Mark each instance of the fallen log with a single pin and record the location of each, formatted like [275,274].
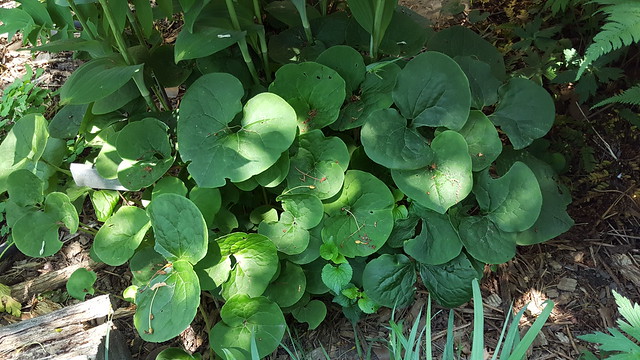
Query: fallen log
[77,332]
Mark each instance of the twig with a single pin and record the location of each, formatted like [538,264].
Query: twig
[597,133]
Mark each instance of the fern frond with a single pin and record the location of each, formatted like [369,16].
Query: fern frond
[622,28]
[630,96]
[557,6]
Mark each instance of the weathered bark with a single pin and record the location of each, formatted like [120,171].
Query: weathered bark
[76,332]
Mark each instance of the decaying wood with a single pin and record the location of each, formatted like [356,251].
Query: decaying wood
[627,268]
[76,332]
[25,290]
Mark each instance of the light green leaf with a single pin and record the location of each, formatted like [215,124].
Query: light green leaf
[512,201]
[146,152]
[445,182]
[214,269]
[66,122]
[104,202]
[96,79]
[107,161]
[144,265]
[256,263]
[347,62]
[168,304]
[275,174]
[244,317]
[119,237]
[390,280]
[204,41]
[312,252]
[80,283]
[169,185]
[25,188]
[177,354]
[289,287]
[23,146]
[179,229]
[337,277]
[388,141]
[483,140]
[307,210]
[433,91]
[485,241]
[288,236]
[318,166]
[450,283]
[525,111]
[15,20]
[313,313]
[360,219]
[208,201]
[216,152]
[438,241]
[315,91]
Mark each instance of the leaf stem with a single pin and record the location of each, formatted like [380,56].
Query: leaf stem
[376,36]
[242,43]
[203,313]
[87,229]
[81,19]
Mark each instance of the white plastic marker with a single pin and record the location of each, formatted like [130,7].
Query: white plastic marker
[87,175]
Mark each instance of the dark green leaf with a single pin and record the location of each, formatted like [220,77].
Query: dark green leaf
[483,140]
[313,313]
[121,235]
[289,287]
[390,280]
[347,62]
[204,41]
[80,283]
[25,188]
[66,123]
[438,241]
[450,283]
[485,241]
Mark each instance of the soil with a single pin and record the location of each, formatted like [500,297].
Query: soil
[578,270]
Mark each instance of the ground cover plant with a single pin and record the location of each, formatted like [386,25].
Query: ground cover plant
[316,150]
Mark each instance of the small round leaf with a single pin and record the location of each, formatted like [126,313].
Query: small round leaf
[121,234]
[80,283]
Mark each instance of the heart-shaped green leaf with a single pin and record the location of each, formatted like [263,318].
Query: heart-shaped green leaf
[438,241]
[483,140]
[23,146]
[313,272]
[208,201]
[179,229]
[360,219]
[216,152]
[104,202]
[313,313]
[485,241]
[433,91]
[107,161]
[315,91]
[312,252]
[525,111]
[256,263]
[450,283]
[214,269]
[144,265]
[484,85]
[289,237]
[146,152]
[337,277]
[306,210]
[388,141]
[121,234]
[390,280]
[36,232]
[169,185]
[318,166]
[446,181]
[96,79]
[512,201]
[245,318]
[25,188]
[275,174]
[168,304]
[289,287]
[80,283]
[347,62]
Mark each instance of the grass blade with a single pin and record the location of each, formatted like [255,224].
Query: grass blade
[477,348]
[530,336]
[448,347]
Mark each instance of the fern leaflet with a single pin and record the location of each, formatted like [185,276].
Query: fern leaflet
[630,97]
[622,28]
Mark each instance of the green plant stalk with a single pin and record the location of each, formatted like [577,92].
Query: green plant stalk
[203,313]
[263,42]
[136,28]
[376,36]
[323,7]
[81,19]
[6,249]
[242,43]
[138,77]
[302,10]
[66,172]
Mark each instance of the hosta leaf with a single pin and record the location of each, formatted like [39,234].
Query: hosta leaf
[80,283]
[256,262]
[168,304]
[244,318]
[313,313]
[525,111]
[512,201]
[289,287]
[438,241]
[96,79]
[144,146]
[347,62]
[36,232]
[23,146]
[483,140]
[315,91]
[360,219]
[374,94]
[179,229]
[446,181]
[318,166]
[485,241]
[433,91]
[450,283]
[116,99]
[389,280]
[388,141]
[162,63]
[364,11]
[484,85]
[404,36]
[337,277]
[216,152]
[462,41]
[204,41]
[121,234]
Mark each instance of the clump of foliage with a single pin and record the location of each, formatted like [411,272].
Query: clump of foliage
[618,344]
[355,166]
[23,96]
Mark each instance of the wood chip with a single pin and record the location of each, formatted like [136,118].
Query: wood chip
[567,284]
